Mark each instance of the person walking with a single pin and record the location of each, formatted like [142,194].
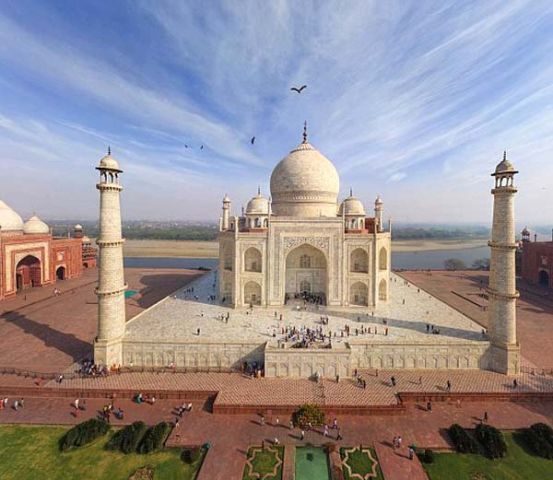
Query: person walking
[339,434]
[302,434]
[291,423]
[485,417]
[176,422]
[429,406]
[411,453]
[448,384]
[393,379]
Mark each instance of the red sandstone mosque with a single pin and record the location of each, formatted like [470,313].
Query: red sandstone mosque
[30,256]
[536,260]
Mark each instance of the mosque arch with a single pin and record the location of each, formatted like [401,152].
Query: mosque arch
[383,259]
[359,261]
[252,293]
[28,272]
[306,273]
[359,294]
[382,290]
[60,273]
[252,260]
[543,278]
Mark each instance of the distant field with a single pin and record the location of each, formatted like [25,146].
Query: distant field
[200,249]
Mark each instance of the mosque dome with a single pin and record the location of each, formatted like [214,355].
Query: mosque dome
[78,227]
[9,219]
[109,163]
[258,205]
[351,206]
[35,226]
[305,184]
[505,166]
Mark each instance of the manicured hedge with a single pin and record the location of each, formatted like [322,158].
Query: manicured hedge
[309,413]
[154,438]
[492,440]
[191,455]
[463,442]
[128,438]
[540,439]
[83,433]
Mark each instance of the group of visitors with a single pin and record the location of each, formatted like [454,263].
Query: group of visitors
[90,369]
[253,369]
[432,329]
[141,398]
[17,403]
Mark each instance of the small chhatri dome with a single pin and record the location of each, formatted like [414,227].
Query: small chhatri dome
[258,205]
[109,163]
[78,227]
[305,184]
[35,226]
[226,199]
[378,200]
[351,206]
[525,232]
[86,240]
[504,166]
[9,219]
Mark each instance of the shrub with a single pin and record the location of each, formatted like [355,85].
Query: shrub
[539,438]
[428,456]
[492,440]
[190,455]
[154,438]
[128,438]
[309,413]
[462,441]
[83,433]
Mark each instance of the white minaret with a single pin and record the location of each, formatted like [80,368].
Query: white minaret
[378,214]
[226,213]
[502,286]
[111,283]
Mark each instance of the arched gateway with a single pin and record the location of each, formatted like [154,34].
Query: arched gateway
[28,273]
[306,274]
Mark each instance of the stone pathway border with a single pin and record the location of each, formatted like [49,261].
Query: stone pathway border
[345,463]
[253,452]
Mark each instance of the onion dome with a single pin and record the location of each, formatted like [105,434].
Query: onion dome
[351,206]
[505,166]
[9,219]
[258,205]
[378,200]
[35,226]
[109,163]
[304,184]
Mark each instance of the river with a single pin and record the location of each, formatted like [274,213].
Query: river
[433,259]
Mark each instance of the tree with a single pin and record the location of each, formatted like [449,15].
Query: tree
[454,264]
[481,264]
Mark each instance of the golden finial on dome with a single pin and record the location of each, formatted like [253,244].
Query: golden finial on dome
[305,132]
[109,150]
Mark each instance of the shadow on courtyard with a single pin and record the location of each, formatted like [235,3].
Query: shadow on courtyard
[67,343]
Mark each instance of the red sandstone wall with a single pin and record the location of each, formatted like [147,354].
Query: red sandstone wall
[537,256]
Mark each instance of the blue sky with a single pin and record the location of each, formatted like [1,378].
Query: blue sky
[412,100]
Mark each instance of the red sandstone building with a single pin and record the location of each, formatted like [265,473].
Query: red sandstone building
[30,256]
[536,261]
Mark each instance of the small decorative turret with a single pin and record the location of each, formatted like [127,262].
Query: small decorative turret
[226,213]
[525,234]
[378,213]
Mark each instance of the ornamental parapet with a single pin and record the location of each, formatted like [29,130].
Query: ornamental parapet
[110,243]
[505,296]
[503,245]
[109,186]
[509,190]
[111,293]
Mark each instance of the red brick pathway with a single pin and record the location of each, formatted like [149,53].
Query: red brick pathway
[395,464]
[231,435]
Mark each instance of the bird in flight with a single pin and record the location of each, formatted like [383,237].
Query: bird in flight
[299,90]
[252,140]
[202,147]
[185,146]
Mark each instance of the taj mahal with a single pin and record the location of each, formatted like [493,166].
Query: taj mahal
[304,287]
[302,243]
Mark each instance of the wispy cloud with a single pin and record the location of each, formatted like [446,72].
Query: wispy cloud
[414,100]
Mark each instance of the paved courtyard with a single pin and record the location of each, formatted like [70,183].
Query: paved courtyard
[462,291]
[47,333]
[409,310]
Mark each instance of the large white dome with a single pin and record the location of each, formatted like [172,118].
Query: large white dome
[305,184]
[9,219]
[35,226]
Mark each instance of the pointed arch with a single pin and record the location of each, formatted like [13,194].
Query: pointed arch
[383,259]
[252,260]
[383,290]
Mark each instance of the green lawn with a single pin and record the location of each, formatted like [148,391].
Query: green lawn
[32,453]
[516,465]
[360,463]
[264,462]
